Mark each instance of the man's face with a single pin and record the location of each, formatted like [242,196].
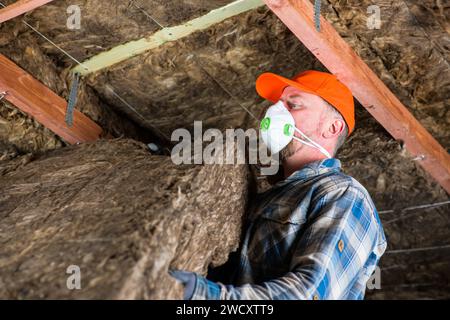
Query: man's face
[309,112]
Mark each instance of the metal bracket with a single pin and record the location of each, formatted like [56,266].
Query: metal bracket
[3,94]
[317,6]
[72,99]
[420,157]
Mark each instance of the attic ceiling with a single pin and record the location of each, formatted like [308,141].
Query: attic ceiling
[209,76]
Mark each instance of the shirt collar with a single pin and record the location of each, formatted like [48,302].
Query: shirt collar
[315,168]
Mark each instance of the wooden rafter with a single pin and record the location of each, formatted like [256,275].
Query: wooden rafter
[20,7]
[382,104]
[38,101]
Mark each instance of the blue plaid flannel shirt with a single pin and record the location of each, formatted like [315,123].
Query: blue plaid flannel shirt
[315,235]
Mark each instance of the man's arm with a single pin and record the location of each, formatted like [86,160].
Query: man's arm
[341,233]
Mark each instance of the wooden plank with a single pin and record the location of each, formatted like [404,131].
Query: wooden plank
[20,7]
[38,101]
[382,104]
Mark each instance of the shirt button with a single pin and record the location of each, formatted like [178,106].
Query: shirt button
[316,297]
[341,245]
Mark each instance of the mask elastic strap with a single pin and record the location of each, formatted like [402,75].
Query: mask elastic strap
[311,143]
[305,142]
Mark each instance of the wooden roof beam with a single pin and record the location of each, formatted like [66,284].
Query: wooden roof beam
[374,95]
[20,7]
[39,102]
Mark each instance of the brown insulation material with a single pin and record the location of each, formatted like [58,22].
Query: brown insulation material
[434,18]
[7,151]
[175,84]
[171,87]
[120,214]
[105,23]
[404,54]
[25,132]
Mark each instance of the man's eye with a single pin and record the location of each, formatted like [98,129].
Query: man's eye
[295,106]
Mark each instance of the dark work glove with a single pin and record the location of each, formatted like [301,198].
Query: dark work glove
[188,279]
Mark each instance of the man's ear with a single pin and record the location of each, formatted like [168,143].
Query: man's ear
[335,128]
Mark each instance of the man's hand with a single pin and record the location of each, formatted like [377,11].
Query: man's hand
[188,279]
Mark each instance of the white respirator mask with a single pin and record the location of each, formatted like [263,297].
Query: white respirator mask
[278,127]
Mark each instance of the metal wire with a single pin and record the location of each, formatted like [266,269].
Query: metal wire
[206,71]
[426,207]
[55,45]
[110,89]
[148,15]
[422,206]
[71,104]
[51,42]
[425,33]
[225,89]
[447,246]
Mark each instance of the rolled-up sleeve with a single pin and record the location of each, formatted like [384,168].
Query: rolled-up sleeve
[331,254]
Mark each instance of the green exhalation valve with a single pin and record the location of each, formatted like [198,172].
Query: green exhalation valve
[265,124]
[288,129]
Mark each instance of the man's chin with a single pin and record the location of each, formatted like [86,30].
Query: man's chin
[289,151]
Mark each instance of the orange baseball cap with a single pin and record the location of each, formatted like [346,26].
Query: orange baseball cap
[270,86]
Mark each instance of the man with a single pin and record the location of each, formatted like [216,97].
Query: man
[316,234]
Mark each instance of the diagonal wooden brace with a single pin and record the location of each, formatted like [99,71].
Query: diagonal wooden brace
[41,103]
[20,7]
